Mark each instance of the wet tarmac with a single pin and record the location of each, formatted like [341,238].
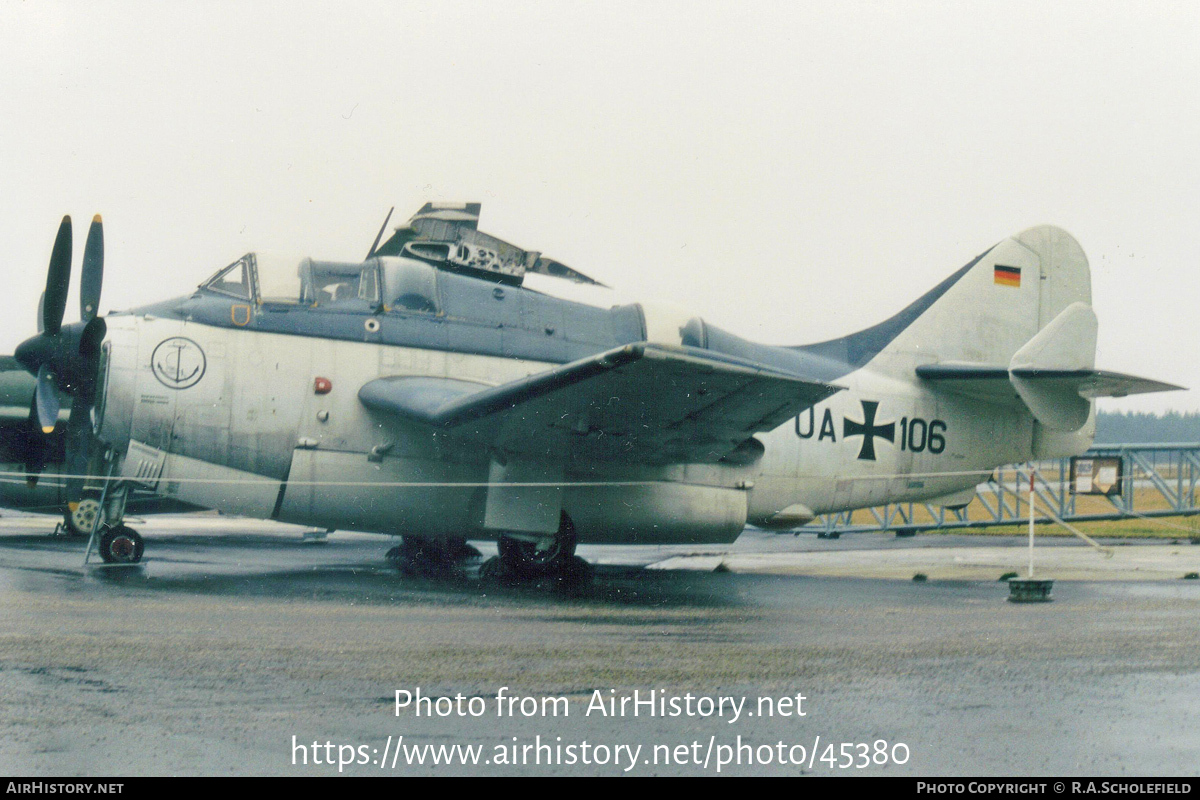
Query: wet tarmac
[236,636]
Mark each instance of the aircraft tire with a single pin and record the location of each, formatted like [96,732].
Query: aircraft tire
[495,571]
[79,522]
[529,560]
[575,572]
[121,545]
[459,549]
[425,558]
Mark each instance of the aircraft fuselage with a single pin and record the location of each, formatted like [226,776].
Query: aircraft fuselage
[253,409]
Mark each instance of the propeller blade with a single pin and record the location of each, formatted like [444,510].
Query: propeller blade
[35,447]
[93,271]
[41,311]
[58,279]
[91,338]
[46,399]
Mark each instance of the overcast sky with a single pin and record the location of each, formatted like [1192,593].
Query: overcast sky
[790,172]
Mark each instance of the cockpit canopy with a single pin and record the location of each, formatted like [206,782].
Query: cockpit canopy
[376,284]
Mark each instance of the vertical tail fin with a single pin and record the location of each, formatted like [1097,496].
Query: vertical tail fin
[1023,304]
[982,314]
[1015,326]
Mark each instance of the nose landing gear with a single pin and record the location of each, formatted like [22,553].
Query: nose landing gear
[121,545]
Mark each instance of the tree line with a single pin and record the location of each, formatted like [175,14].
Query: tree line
[1138,427]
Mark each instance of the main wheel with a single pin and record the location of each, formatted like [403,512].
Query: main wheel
[547,556]
[459,549]
[421,557]
[121,545]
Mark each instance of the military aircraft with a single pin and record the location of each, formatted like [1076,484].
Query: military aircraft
[452,386]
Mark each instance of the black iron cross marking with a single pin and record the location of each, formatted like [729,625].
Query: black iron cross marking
[868,430]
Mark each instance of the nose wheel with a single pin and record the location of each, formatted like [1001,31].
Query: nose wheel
[121,545]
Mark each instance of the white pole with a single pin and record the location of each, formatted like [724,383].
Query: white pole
[1030,521]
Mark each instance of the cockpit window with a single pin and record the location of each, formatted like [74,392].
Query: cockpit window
[334,283]
[368,284]
[278,278]
[289,280]
[234,280]
[411,285]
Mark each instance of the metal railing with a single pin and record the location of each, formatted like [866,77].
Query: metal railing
[1157,480]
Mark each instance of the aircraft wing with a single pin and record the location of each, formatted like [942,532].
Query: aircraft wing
[640,402]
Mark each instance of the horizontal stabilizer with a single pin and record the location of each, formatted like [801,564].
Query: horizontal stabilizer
[641,402]
[1053,374]
[1059,399]
[992,382]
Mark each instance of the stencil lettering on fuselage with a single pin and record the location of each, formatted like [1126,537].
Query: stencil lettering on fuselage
[916,434]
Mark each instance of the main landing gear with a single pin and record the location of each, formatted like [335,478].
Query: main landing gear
[526,558]
[430,558]
[522,557]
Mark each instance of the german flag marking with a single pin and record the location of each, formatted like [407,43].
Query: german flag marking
[1008,276]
